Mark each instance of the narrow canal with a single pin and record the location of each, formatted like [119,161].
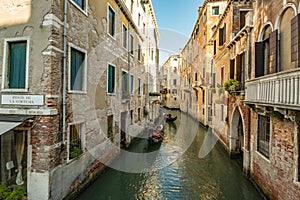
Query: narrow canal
[184,175]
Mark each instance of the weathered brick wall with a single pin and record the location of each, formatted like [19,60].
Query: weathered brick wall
[276,175]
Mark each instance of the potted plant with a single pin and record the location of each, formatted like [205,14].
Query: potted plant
[231,86]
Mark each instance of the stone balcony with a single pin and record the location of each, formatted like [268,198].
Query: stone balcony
[280,90]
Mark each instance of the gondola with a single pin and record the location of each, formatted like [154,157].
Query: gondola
[156,140]
[171,119]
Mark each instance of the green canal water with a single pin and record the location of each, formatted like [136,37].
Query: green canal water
[180,172]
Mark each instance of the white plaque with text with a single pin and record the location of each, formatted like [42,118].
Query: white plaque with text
[26,100]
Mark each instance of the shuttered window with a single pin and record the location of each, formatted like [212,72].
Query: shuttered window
[125,85]
[295,41]
[111,21]
[16,71]
[222,35]
[259,59]
[125,37]
[76,71]
[273,67]
[139,86]
[232,63]
[111,79]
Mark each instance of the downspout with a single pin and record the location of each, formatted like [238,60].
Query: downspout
[64,102]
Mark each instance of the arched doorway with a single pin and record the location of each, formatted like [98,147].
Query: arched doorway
[237,134]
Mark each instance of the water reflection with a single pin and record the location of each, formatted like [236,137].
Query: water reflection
[214,176]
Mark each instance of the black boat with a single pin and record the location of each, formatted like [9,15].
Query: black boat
[171,119]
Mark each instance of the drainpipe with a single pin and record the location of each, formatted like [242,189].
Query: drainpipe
[64,102]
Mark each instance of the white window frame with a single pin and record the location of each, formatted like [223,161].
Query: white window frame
[82,139]
[127,33]
[85,10]
[107,27]
[114,93]
[131,48]
[212,9]
[131,86]
[84,86]
[5,62]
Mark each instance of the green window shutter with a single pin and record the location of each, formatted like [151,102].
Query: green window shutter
[77,59]
[17,65]
[111,79]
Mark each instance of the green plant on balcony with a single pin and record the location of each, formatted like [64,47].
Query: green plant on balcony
[16,193]
[231,86]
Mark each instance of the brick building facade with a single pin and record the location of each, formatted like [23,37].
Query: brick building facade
[74,89]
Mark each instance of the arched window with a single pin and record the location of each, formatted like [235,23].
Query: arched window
[285,39]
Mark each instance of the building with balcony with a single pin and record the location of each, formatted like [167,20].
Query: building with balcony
[170,76]
[272,93]
[74,89]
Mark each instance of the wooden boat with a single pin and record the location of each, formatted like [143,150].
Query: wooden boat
[171,119]
[155,140]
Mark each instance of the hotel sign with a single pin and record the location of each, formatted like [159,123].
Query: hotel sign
[24,100]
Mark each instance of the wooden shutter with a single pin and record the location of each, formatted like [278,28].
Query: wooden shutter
[295,33]
[273,52]
[220,36]
[238,68]
[259,59]
[224,33]
[232,69]
[111,79]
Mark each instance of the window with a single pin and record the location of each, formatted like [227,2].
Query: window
[75,141]
[152,54]
[263,137]
[144,28]
[80,4]
[111,79]
[110,127]
[139,114]
[125,87]
[139,86]
[196,76]
[174,91]
[131,6]
[15,64]
[222,75]
[203,96]
[266,53]
[131,44]
[222,112]
[174,82]
[139,19]
[139,52]
[131,84]
[124,36]
[111,21]
[243,18]
[77,70]
[222,35]
[215,47]
[131,116]
[144,88]
[215,10]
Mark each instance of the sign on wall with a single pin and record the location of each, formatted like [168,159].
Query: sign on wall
[26,100]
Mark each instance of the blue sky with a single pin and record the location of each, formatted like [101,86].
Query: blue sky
[176,20]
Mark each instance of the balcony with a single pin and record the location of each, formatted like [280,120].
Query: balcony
[279,90]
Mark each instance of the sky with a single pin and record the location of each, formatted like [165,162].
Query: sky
[175,20]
